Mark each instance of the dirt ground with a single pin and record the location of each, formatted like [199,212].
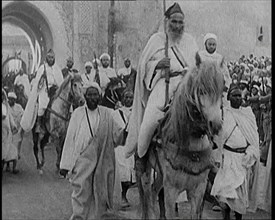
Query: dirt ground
[29,195]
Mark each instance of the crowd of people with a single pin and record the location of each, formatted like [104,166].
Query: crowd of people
[123,108]
[253,75]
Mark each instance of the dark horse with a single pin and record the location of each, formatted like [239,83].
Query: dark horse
[113,93]
[57,116]
[181,152]
[22,99]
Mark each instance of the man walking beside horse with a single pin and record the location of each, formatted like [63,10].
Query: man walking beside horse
[89,155]
[235,184]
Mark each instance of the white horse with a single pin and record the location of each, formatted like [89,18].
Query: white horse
[181,155]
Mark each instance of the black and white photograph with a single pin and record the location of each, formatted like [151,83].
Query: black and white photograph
[136,109]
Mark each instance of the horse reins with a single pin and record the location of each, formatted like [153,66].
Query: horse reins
[66,101]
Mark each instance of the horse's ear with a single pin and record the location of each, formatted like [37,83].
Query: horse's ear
[198,59]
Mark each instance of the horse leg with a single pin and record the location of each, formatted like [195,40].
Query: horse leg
[43,143]
[161,204]
[59,148]
[140,169]
[35,137]
[149,200]
[196,196]
[170,198]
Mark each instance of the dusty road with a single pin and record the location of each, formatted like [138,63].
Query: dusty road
[30,196]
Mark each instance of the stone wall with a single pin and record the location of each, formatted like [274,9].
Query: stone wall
[80,28]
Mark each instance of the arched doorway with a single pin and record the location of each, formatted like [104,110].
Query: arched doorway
[29,18]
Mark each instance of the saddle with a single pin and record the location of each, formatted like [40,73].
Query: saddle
[184,159]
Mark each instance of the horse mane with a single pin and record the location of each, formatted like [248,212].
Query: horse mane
[64,84]
[113,81]
[184,116]
[69,78]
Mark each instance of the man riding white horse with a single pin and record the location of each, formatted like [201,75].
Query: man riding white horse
[149,97]
[48,76]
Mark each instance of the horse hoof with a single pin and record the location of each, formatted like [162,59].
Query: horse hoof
[42,163]
[41,172]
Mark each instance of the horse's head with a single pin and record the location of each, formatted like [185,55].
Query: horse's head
[206,91]
[196,107]
[76,93]
[20,88]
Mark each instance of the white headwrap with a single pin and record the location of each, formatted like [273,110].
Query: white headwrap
[12,95]
[92,84]
[209,36]
[88,63]
[105,55]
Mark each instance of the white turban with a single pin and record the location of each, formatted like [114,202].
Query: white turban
[97,60]
[88,63]
[12,95]
[209,36]
[4,110]
[92,84]
[105,55]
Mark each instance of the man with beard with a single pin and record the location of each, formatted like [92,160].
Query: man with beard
[105,61]
[235,185]
[125,166]
[48,78]
[210,53]
[89,156]
[149,96]
[69,68]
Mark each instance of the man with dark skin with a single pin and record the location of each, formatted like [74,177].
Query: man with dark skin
[235,183]
[125,166]
[88,156]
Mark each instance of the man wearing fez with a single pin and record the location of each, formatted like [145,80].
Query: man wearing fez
[149,96]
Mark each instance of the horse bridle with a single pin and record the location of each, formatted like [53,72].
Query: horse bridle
[66,101]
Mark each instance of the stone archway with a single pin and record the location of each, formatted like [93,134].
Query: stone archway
[42,22]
